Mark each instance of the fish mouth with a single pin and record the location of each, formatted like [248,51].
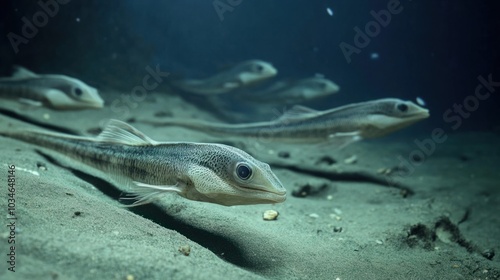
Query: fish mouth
[421,114]
[272,71]
[99,103]
[266,191]
[94,105]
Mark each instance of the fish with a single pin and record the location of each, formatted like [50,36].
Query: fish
[240,76]
[283,92]
[58,92]
[342,125]
[204,172]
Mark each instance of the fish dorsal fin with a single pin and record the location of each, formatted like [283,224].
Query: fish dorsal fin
[21,72]
[122,133]
[298,112]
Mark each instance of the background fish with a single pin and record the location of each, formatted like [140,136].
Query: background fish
[341,125]
[58,92]
[283,92]
[237,77]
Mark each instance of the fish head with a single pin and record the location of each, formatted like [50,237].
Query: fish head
[253,71]
[77,93]
[317,87]
[229,176]
[392,114]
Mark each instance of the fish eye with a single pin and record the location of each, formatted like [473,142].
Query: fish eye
[402,107]
[243,171]
[259,68]
[78,91]
[322,85]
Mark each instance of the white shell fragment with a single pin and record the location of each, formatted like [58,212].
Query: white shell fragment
[351,160]
[270,215]
[314,215]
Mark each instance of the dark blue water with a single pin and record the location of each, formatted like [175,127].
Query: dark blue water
[432,49]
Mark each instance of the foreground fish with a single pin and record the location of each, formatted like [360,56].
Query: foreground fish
[341,125]
[203,172]
[295,92]
[54,91]
[242,75]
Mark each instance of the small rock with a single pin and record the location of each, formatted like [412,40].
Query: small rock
[384,171]
[336,217]
[337,229]
[351,160]
[41,166]
[46,116]
[270,215]
[379,242]
[326,160]
[185,250]
[306,190]
[489,254]
[314,215]
[283,154]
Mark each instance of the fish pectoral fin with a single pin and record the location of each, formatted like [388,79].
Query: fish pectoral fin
[122,133]
[22,73]
[30,102]
[342,139]
[146,193]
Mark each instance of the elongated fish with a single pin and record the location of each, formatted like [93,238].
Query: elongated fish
[58,92]
[203,172]
[237,77]
[341,125]
[295,92]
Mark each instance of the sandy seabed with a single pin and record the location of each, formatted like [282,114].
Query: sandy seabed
[361,217]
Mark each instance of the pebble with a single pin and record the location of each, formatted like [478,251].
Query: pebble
[270,215]
[283,154]
[186,250]
[351,160]
[314,215]
[384,171]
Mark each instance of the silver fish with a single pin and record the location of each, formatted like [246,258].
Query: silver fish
[341,125]
[295,92]
[237,77]
[202,172]
[58,92]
